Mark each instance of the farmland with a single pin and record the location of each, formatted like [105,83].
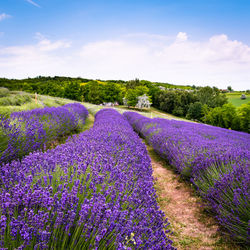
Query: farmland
[97,189]
[124,125]
[235,99]
[28,131]
[215,160]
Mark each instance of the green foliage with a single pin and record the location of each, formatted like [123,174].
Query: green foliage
[133,94]
[72,91]
[235,99]
[195,111]
[167,100]
[98,92]
[15,100]
[4,92]
[211,96]
[132,84]
[27,87]
[52,86]
[202,103]
[18,101]
[244,114]
[176,102]
[113,92]
[178,111]
[225,117]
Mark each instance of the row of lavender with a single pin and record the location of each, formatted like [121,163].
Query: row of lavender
[216,160]
[27,131]
[93,192]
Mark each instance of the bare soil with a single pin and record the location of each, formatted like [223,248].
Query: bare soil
[192,227]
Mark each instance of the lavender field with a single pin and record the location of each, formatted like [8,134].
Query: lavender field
[96,191]
[124,125]
[31,130]
[215,160]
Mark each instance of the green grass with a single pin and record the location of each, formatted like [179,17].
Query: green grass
[234,98]
[16,101]
[7,110]
[50,101]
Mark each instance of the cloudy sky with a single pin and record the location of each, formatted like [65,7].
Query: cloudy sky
[175,41]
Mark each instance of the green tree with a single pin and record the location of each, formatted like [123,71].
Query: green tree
[167,100]
[132,84]
[113,92]
[225,117]
[195,111]
[95,92]
[133,94]
[185,99]
[27,87]
[72,91]
[211,96]
[244,114]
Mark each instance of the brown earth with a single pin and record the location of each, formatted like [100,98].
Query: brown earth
[192,227]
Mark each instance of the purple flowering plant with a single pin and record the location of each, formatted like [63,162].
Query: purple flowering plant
[216,160]
[96,191]
[28,131]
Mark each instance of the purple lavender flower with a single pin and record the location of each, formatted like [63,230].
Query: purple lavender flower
[28,131]
[95,191]
[216,160]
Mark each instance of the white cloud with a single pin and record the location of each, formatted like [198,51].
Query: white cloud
[33,3]
[4,16]
[42,58]
[181,37]
[218,61]
[47,45]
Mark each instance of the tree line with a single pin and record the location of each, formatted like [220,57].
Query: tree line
[204,104]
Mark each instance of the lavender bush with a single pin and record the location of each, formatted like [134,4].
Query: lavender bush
[93,192]
[28,131]
[216,160]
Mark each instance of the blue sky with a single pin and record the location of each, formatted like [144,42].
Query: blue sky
[178,41]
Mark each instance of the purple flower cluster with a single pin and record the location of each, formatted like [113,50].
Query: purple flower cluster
[93,192]
[28,131]
[216,160]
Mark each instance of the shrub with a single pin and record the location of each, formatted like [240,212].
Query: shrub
[4,92]
[244,114]
[15,100]
[195,111]
[225,117]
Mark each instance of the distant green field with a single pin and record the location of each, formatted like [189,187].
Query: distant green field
[234,98]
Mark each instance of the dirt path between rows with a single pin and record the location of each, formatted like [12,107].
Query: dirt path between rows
[192,227]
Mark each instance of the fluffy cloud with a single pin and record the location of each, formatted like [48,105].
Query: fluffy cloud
[181,37]
[218,61]
[4,16]
[43,58]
